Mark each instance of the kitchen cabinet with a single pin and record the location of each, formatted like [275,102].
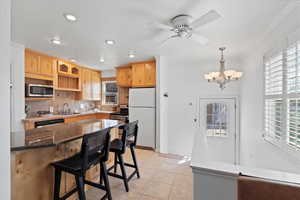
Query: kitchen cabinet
[124,76]
[96,85]
[39,66]
[68,76]
[67,69]
[150,74]
[138,75]
[144,74]
[91,85]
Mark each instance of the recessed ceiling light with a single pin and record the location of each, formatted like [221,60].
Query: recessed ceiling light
[69,17]
[56,41]
[131,54]
[110,42]
[102,60]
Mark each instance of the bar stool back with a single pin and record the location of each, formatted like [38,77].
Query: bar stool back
[94,150]
[118,146]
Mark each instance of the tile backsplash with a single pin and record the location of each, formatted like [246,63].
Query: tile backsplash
[61,97]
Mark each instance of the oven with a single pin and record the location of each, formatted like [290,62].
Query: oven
[35,90]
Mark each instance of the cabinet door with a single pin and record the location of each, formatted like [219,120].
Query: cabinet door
[46,66]
[87,87]
[150,74]
[32,62]
[138,75]
[124,77]
[96,86]
[63,67]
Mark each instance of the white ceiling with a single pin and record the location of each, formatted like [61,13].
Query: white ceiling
[35,22]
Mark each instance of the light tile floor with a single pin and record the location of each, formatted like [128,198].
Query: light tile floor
[163,177]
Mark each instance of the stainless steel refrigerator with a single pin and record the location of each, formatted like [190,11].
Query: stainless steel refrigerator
[142,107]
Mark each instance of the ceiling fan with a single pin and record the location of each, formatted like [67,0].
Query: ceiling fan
[183,26]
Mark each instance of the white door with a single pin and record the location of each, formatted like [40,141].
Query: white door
[218,129]
[146,132]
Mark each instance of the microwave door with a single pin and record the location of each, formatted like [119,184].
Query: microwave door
[40,91]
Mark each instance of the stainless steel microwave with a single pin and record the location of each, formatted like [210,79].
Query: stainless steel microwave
[34,90]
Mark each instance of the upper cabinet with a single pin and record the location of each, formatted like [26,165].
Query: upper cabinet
[138,75]
[144,74]
[90,84]
[150,74]
[68,76]
[124,76]
[141,74]
[67,69]
[39,66]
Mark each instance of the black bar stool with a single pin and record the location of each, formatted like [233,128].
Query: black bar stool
[94,150]
[118,146]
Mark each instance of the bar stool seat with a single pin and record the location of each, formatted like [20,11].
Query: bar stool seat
[74,163]
[116,145]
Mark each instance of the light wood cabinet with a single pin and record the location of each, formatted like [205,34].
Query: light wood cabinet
[67,69]
[144,74]
[96,85]
[138,75]
[124,76]
[150,74]
[39,66]
[68,76]
[91,85]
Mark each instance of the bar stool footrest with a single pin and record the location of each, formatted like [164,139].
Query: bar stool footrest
[68,194]
[100,186]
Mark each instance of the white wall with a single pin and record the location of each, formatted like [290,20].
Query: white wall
[108,73]
[161,105]
[4,100]
[18,93]
[255,151]
[185,84]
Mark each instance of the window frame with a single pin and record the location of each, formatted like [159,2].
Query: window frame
[282,143]
[104,93]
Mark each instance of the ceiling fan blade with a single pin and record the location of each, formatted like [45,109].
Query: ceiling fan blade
[160,26]
[205,19]
[199,39]
[165,41]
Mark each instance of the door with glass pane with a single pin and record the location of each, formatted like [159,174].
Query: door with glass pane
[218,129]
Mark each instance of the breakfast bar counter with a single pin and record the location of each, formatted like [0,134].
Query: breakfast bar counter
[32,152]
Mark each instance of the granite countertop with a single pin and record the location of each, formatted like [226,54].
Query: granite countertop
[57,134]
[56,116]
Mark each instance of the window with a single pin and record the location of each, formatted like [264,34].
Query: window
[109,92]
[216,119]
[282,97]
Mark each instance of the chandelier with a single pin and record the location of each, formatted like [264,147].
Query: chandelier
[223,76]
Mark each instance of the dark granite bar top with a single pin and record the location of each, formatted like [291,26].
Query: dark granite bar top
[58,134]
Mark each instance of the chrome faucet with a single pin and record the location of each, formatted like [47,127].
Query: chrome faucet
[65,108]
